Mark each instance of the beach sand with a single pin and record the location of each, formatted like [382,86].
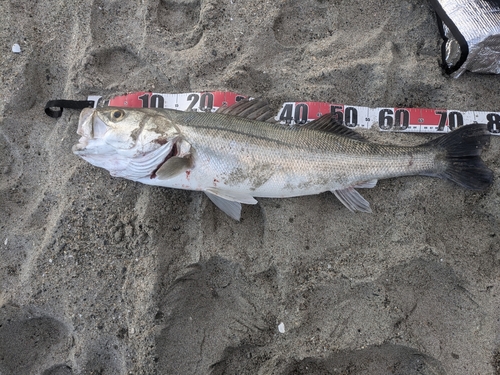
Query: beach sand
[100,275]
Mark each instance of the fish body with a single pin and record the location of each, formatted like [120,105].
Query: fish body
[234,157]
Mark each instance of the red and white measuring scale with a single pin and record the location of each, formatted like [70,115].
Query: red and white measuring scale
[413,120]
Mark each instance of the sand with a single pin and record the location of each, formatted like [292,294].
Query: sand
[99,275]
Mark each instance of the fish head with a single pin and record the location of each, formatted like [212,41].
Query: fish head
[129,143]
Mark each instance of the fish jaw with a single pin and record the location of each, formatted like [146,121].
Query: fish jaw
[92,131]
[92,146]
[124,163]
[98,153]
[85,122]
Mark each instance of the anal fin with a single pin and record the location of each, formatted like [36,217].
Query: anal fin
[352,200]
[366,184]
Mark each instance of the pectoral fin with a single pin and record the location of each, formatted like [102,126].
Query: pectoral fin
[352,200]
[229,201]
[174,166]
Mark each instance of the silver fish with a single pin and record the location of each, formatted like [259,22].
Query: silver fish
[233,156]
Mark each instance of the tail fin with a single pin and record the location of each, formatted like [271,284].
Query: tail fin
[463,153]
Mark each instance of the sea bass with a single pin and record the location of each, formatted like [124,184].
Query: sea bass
[233,155]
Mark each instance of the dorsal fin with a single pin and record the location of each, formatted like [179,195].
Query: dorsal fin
[256,109]
[329,123]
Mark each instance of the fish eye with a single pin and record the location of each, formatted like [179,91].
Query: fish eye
[117,115]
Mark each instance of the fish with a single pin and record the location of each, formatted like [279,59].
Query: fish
[240,153]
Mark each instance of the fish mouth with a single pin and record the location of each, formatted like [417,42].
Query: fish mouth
[81,146]
[85,129]
[86,122]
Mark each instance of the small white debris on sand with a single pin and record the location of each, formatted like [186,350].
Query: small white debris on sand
[281,327]
[16,48]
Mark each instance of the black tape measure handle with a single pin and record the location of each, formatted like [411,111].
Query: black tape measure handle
[54,108]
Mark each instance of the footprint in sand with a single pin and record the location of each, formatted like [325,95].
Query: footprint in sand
[11,165]
[292,27]
[30,343]
[176,23]
[104,357]
[58,370]
[208,309]
[178,16]
[108,67]
[374,360]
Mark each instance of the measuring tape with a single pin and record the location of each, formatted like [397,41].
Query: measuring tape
[412,120]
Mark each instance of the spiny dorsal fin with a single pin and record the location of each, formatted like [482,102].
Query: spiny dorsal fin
[256,109]
[329,123]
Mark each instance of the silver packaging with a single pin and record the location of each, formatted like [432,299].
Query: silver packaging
[471,33]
